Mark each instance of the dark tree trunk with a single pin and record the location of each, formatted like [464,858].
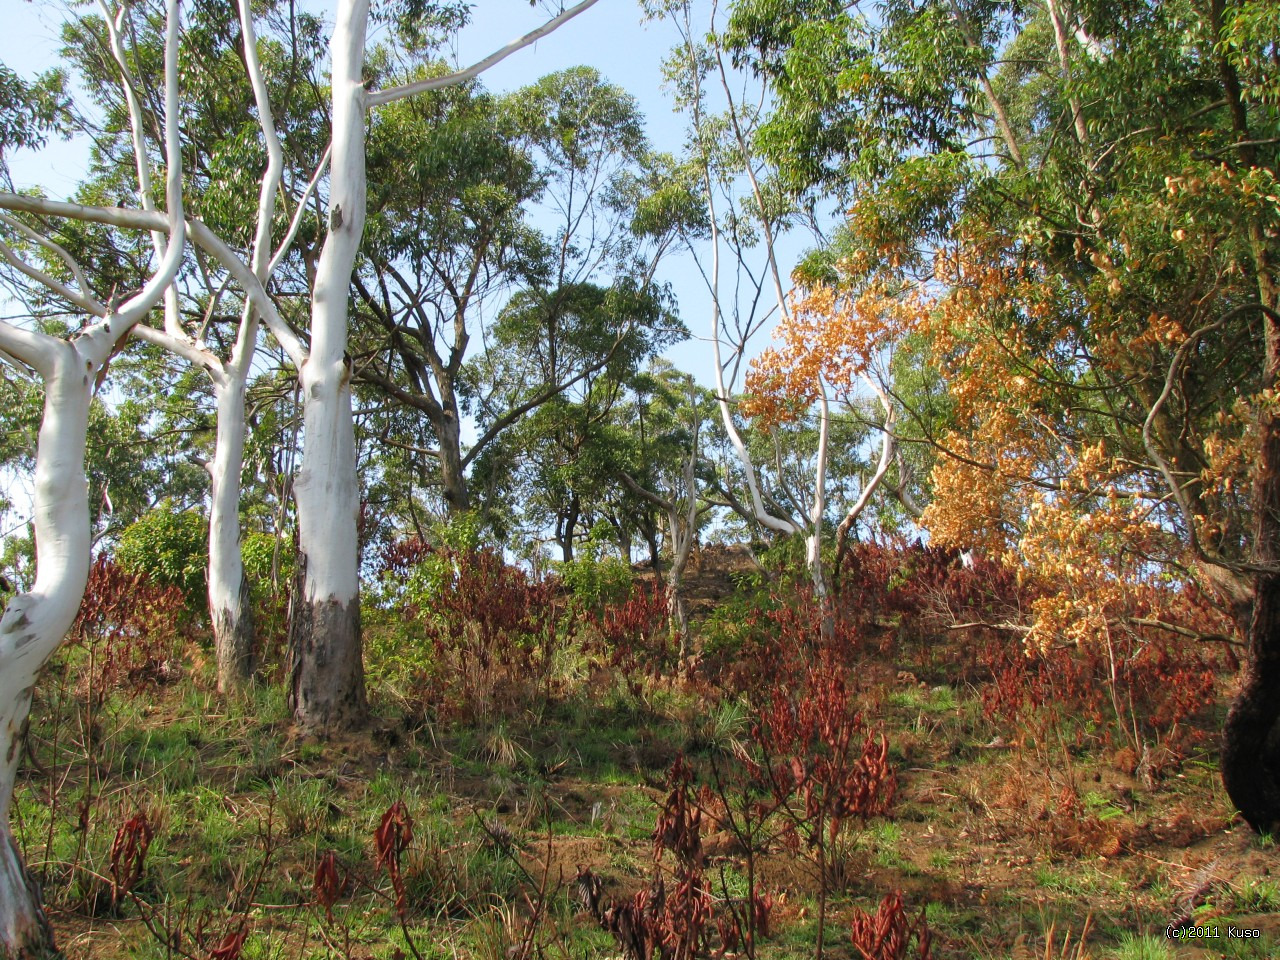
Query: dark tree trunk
[326,690]
[452,473]
[655,551]
[568,524]
[1251,735]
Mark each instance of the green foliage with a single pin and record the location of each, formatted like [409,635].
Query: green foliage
[171,547]
[31,110]
[259,552]
[596,578]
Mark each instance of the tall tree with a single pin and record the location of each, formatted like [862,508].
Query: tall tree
[35,622]
[488,175]
[327,685]
[606,334]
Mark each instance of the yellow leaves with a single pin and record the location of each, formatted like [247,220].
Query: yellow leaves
[1091,557]
[1231,451]
[828,337]
[1160,332]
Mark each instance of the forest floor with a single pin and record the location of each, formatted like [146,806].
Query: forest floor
[1036,840]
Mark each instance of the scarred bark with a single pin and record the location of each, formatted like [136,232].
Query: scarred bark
[328,679]
[24,929]
[327,683]
[327,693]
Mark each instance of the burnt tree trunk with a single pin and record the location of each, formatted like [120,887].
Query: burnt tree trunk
[1251,734]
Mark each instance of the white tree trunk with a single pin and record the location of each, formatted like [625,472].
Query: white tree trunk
[328,674]
[229,608]
[813,538]
[35,622]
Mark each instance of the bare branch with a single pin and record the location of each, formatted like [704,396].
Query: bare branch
[379,97]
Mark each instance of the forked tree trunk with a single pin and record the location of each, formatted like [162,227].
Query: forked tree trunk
[327,689]
[229,607]
[35,622]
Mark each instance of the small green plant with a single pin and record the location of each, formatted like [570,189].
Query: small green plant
[885,838]
[1142,946]
[1260,896]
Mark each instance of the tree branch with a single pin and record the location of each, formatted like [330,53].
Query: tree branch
[378,97]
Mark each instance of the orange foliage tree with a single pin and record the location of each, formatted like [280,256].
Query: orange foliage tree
[828,344]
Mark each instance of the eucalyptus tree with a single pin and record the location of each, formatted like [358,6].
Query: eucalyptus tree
[225,83]
[749,212]
[447,236]
[35,621]
[327,685]
[510,205]
[327,682]
[605,333]
[667,469]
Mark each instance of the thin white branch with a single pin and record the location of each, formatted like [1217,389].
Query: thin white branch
[261,255]
[297,214]
[103,338]
[182,347]
[461,76]
[87,304]
[201,235]
[886,456]
[758,509]
[55,248]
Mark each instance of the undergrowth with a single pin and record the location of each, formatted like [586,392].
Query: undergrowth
[541,780]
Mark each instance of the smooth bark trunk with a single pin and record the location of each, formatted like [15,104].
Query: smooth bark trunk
[229,607]
[327,689]
[35,622]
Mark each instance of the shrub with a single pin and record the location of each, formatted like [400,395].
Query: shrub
[130,627]
[488,632]
[170,547]
[596,581]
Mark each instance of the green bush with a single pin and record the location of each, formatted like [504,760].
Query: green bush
[257,551]
[171,548]
[597,581]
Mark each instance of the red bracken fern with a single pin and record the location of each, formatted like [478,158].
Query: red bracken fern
[328,883]
[393,836]
[128,854]
[887,933]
